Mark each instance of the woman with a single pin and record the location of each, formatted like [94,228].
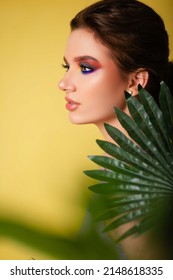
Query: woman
[114,46]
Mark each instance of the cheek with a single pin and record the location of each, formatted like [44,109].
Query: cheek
[100,102]
[103,90]
[108,93]
[116,86]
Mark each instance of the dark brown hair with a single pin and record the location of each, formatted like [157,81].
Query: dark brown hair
[134,33]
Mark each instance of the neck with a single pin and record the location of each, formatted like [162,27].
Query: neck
[114,123]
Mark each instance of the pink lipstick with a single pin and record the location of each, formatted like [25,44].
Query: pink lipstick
[71,105]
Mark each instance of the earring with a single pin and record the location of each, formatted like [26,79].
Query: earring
[130,92]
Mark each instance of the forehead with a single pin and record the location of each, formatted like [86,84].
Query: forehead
[83,42]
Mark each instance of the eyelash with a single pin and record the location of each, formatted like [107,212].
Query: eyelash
[66,67]
[85,69]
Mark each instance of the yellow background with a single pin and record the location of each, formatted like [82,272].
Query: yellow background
[42,155]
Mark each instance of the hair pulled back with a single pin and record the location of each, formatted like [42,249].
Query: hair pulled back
[135,35]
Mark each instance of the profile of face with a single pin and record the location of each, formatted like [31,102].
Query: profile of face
[93,83]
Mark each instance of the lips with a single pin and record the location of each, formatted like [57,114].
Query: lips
[71,105]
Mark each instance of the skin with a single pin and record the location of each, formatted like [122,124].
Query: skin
[93,80]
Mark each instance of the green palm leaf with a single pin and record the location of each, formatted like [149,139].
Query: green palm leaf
[142,119]
[141,138]
[156,115]
[137,180]
[166,104]
[133,157]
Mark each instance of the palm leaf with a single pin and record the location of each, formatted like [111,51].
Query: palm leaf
[123,168]
[137,180]
[142,119]
[139,135]
[156,115]
[166,104]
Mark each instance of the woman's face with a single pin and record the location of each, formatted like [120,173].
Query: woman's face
[93,84]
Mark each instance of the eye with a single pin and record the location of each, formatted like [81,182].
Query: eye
[66,66]
[86,69]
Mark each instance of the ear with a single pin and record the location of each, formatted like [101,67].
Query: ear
[139,77]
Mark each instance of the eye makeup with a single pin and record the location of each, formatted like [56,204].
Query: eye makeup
[86,64]
[86,68]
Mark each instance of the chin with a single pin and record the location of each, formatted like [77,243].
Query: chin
[75,120]
[78,121]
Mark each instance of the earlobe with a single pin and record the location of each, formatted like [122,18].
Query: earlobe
[139,77]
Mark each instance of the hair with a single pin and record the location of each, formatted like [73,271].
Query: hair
[135,35]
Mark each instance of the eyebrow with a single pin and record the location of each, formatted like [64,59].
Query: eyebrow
[83,57]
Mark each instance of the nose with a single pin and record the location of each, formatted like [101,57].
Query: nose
[67,83]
